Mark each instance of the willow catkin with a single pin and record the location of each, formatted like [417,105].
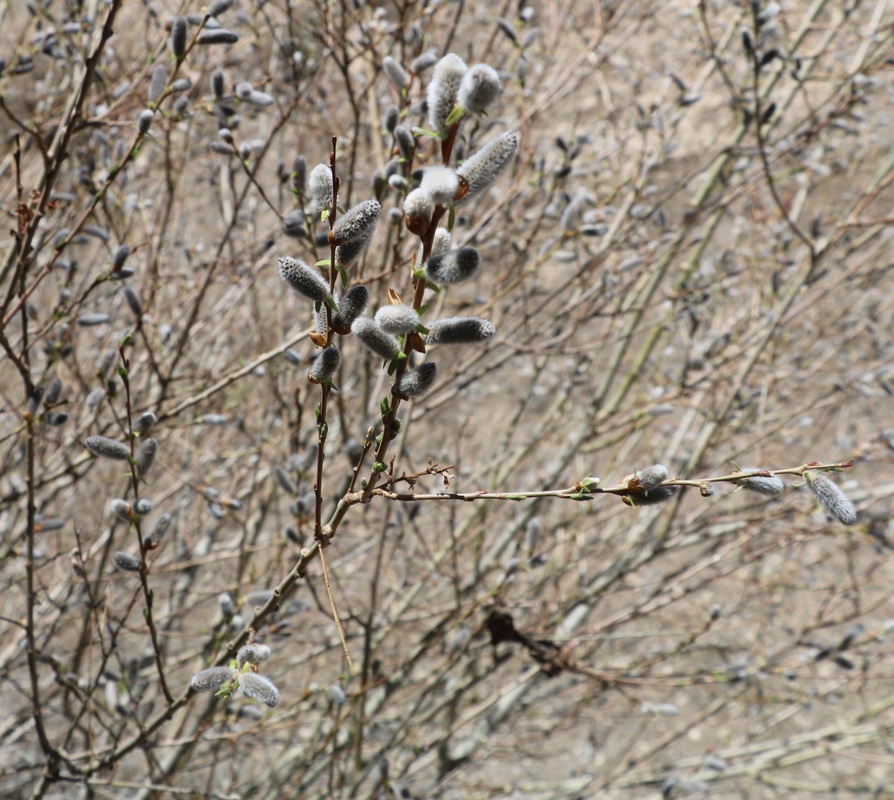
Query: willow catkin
[480,169]
[257,687]
[459,330]
[831,498]
[211,679]
[453,267]
[397,319]
[769,485]
[304,279]
[479,89]
[107,448]
[417,381]
[442,91]
[381,343]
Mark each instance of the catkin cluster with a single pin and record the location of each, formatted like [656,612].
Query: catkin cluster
[422,193]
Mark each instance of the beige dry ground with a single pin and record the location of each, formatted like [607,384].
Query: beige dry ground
[737,307]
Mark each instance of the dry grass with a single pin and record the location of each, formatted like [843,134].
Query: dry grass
[737,307]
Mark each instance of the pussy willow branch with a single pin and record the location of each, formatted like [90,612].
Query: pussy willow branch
[148,594]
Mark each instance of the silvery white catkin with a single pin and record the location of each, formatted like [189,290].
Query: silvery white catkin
[145,422]
[126,561]
[480,169]
[107,448]
[392,115]
[218,83]
[337,694]
[418,209]
[133,301]
[479,88]
[650,477]
[351,306]
[303,279]
[145,456]
[326,364]
[532,534]
[442,90]
[405,142]
[144,121]
[395,73]
[459,330]
[253,653]
[770,485]
[53,392]
[217,36]
[358,224]
[439,185]
[453,267]
[211,679]
[417,381]
[182,85]
[285,480]
[157,82]
[397,319]
[832,498]
[257,687]
[178,36]
[375,338]
[321,187]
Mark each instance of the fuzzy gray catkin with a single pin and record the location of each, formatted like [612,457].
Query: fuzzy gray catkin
[320,185]
[257,687]
[178,36]
[459,330]
[133,301]
[423,61]
[253,653]
[161,527]
[392,116]
[832,498]
[453,267]
[769,485]
[145,456]
[418,211]
[395,73]
[157,82]
[211,679]
[325,365]
[218,7]
[479,89]
[126,561]
[53,392]
[217,36]
[381,343]
[303,279]
[293,224]
[356,225]
[351,306]
[417,381]
[442,91]
[121,509]
[107,448]
[144,422]
[397,319]
[480,169]
[144,121]
[650,477]
[405,142]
